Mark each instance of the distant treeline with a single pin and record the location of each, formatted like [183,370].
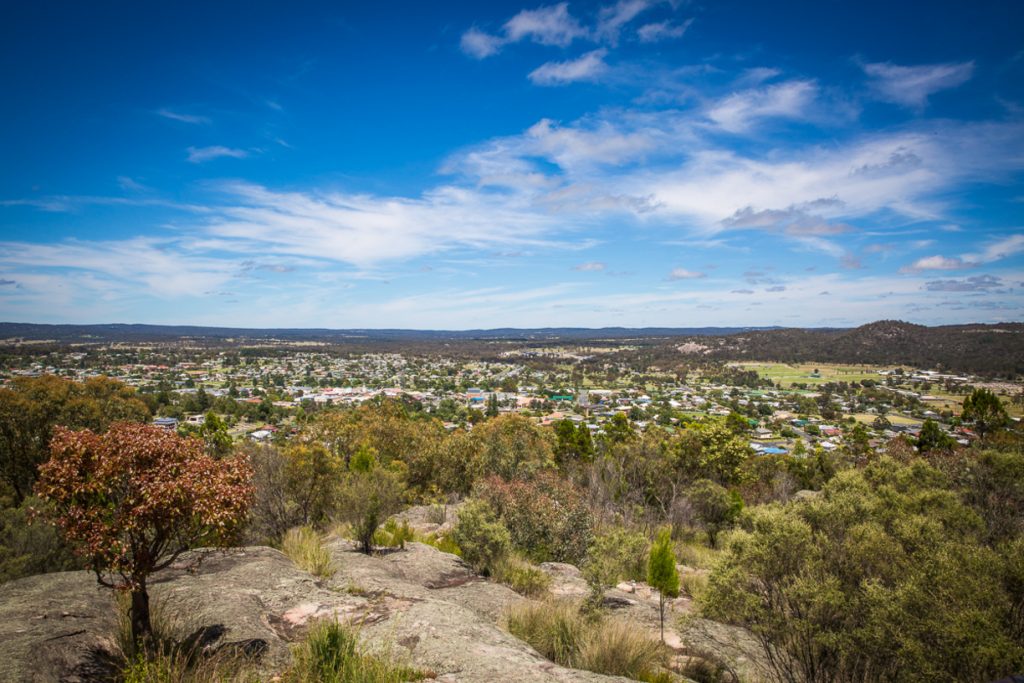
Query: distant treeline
[989,350]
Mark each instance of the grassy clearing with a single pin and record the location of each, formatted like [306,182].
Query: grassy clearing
[869,418]
[803,373]
[559,630]
[331,653]
[305,548]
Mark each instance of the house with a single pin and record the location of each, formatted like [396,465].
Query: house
[169,423]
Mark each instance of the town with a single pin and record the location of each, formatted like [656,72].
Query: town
[264,391]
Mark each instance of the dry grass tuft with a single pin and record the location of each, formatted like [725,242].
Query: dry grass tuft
[305,548]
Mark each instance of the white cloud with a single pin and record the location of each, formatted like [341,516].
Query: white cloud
[551,25]
[737,112]
[613,18]
[478,44]
[163,267]
[183,118]
[999,249]
[365,230]
[996,250]
[911,86]
[587,67]
[555,25]
[662,30]
[684,274]
[937,262]
[591,266]
[198,155]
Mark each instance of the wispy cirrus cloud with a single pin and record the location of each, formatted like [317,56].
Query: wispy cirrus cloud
[612,19]
[587,67]
[662,30]
[182,117]
[198,155]
[739,111]
[911,86]
[591,266]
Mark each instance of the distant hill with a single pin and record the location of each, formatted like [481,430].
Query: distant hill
[984,349]
[122,332]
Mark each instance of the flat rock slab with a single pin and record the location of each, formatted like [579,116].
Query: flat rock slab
[420,606]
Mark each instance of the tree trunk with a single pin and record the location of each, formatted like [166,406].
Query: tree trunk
[661,611]
[142,629]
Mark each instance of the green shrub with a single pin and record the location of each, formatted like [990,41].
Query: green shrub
[885,571]
[697,555]
[480,534]
[547,517]
[393,534]
[614,555]
[305,548]
[367,498]
[331,653]
[28,548]
[521,576]
[714,507]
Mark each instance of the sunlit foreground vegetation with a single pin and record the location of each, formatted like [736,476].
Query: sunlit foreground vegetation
[898,563]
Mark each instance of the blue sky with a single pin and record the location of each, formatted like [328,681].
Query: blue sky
[465,165]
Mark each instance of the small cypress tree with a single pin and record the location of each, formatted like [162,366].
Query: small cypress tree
[662,574]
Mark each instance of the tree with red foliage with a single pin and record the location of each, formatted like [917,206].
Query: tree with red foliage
[133,499]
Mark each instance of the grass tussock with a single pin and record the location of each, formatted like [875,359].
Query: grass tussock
[179,667]
[304,546]
[618,648]
[331,653]
[393,534]
[560,631]
[554,628]
[444,543]
[522,576]
[167,626]
[172,659]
